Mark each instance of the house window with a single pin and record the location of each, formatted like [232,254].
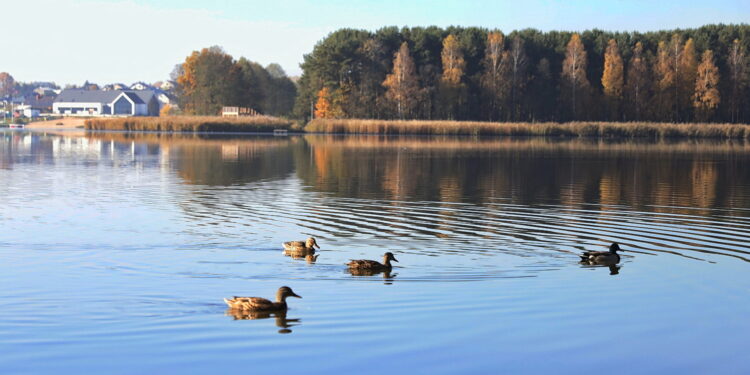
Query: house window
[123,107]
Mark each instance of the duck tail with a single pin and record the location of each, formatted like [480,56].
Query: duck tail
[584,257]
[228,302]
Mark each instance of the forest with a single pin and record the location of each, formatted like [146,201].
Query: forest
[476,74]
[211,78]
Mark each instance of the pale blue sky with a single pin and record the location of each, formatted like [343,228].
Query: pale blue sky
[69,41]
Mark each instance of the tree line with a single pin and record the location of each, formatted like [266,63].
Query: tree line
[470,73]
[211,78]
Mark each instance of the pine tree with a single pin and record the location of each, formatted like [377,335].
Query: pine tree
[612,79]
[637,88]
[706,98]
[574,74]
[402,84]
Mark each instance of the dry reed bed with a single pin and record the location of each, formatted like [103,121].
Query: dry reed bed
[550,129]
[190,124]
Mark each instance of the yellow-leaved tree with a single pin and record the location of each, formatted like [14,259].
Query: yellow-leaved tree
[452,89]
[492,80]
[613,79]
[706,98]
[637,87]
[574,82]
[402,85]
[688,65]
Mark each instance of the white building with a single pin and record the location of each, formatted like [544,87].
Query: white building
[76,102]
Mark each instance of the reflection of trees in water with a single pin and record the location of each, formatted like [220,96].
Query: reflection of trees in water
[216,159]
[233,162]
[530,171]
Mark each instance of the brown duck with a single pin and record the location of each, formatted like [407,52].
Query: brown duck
[300,248]
[602,257]
[262,304]
[371,265]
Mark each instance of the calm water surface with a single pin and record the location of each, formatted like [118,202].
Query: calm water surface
[117,250]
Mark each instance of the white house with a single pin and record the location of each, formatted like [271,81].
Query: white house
[140,86]
[76,102]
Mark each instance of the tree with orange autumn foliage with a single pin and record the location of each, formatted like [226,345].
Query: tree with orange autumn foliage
[323,105]
[402,84]
[613,79]
[688,65]
[706,98]
[165,111]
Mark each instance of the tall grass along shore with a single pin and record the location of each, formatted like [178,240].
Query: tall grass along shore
[550,129]
[191,124]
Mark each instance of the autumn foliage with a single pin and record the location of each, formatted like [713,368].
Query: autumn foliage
[528,75]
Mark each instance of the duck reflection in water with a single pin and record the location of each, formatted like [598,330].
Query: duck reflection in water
[613,268]
[309,258]
[388,277]
[280,316]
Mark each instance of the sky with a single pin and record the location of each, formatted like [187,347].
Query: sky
[106,41]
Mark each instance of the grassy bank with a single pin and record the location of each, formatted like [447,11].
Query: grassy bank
[550,129]
[190,124]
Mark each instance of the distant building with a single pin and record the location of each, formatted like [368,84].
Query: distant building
[77,102]
[115,86]
[45,91]
[141,86]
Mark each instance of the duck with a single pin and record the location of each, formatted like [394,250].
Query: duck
[371,265]
[602,257]
[259,304]
[300,248]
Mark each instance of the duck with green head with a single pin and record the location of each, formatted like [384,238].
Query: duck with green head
[602,257]
[262,304]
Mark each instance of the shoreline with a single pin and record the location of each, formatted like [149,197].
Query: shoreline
[588,129]
[267,124]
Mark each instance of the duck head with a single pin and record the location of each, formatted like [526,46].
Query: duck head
[388,257]
[311,242]
[614,248]
[284,292]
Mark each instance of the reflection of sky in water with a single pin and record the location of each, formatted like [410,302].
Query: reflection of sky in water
[120,248]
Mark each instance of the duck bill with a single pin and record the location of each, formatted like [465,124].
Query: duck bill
[294,295]
[394,259]
[316,245]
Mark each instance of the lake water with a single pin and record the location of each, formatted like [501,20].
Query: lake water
[116,251]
